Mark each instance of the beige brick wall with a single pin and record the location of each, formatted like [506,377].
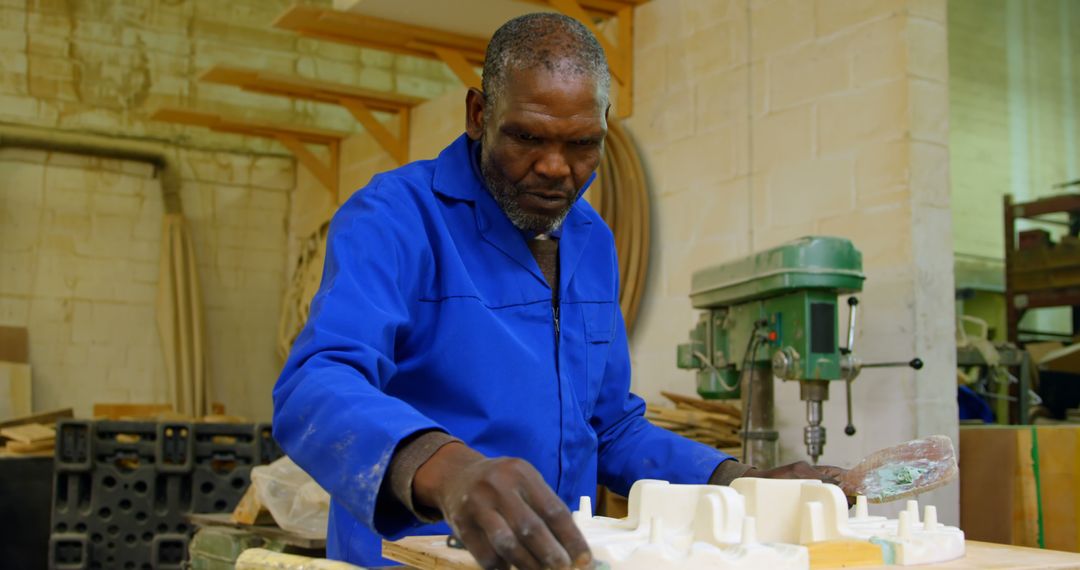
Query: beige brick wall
[1015,113]
[1014,89]
[804,117]
[79,251]
[79,242]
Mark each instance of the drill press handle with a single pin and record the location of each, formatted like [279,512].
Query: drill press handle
[852,366]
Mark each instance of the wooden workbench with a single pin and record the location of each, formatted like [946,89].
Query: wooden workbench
[431,553]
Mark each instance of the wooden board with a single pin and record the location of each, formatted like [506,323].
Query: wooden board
[15,389]
[251,511]
[428,553]
[701,404]
[130,411]
[44,447]
[41,418]
[231,124]
[844,554]
[307,88]
[29,433]
[431,553]
[271,532]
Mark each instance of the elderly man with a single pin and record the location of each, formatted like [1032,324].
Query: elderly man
[465,360]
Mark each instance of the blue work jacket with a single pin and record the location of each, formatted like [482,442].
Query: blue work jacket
[433,314]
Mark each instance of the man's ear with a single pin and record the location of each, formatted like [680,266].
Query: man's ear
[474,113]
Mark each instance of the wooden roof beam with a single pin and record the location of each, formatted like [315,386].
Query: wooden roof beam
[361,103]
[303,88]
[293,137]
[602,8]
[461,53]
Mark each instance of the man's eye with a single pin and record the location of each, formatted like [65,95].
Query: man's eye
[586,142]
[525,137]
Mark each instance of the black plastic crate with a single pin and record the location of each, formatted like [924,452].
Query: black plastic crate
[121,490]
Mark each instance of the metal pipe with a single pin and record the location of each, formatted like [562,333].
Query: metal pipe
[103,146]
[761,437]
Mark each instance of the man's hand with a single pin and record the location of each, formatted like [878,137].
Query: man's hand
[800,470]
[501,509]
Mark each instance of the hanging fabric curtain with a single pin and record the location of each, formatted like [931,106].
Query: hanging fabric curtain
[180,320]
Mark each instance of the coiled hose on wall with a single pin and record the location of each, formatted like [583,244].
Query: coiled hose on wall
[620,196]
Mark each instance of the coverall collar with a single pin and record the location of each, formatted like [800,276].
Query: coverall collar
[455,177]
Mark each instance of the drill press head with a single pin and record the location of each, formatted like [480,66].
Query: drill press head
[777,309]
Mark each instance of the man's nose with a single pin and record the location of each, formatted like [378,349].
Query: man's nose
[552,164]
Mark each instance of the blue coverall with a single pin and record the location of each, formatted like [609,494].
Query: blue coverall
[433,313]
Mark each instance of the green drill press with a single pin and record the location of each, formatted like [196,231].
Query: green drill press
[774,313]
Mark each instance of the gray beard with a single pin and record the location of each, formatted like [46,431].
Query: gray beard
[506,194]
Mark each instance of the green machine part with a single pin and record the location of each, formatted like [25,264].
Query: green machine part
[786,298]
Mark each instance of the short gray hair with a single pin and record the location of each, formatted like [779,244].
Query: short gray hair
[558,43]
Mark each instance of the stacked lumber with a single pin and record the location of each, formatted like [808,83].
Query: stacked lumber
[32,435]
[714,423]
[250,510]
[161,413]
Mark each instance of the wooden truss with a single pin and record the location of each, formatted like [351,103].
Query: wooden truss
[464,54]
[361,103]
[293,137]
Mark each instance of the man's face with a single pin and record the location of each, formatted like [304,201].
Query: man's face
[540,143]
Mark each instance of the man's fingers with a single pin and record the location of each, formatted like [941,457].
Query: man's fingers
[506,542]
[534,532]
[476,542]
[557,518]
[834,473]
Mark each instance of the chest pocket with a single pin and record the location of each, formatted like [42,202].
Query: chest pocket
[599,329]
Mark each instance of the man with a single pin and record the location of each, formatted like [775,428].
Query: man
[465,359]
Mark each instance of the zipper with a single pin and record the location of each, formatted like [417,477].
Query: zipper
[558,383]
[555,316]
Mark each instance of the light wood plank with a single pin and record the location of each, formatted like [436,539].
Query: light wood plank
[326,175]
[244,127]
[461,67]
[29,433]
[19,447]
[306,88]
[396,146]
[431,553]
[367,31]
[50,417]
[129,411]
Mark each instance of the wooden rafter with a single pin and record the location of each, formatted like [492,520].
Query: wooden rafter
[461,53]
[396,145]
[293,137]
[602,8]
[359,102]
[304,88]
[371,32]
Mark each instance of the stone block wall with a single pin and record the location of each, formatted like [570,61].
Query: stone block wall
[1014,88]
[765,120]
[79,237]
